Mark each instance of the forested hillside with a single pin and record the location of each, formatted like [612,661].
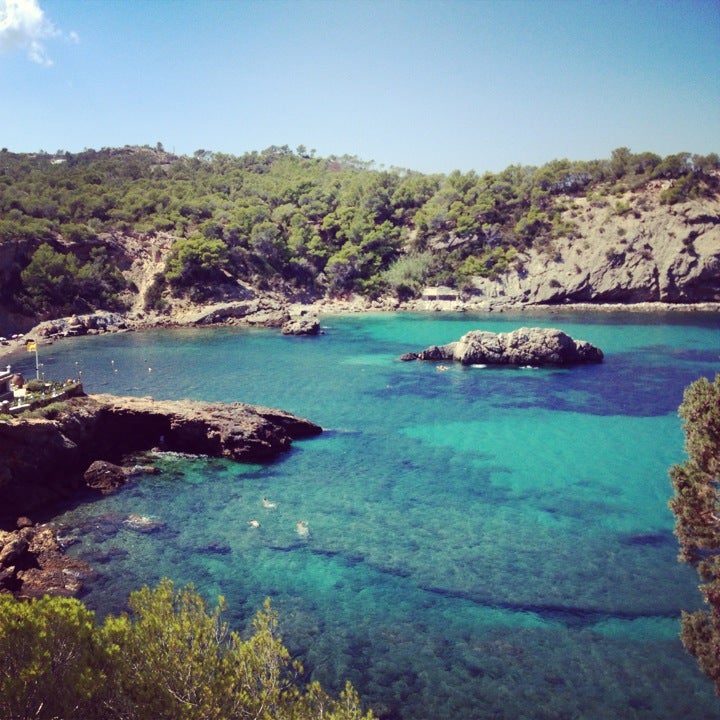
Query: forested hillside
[115,227]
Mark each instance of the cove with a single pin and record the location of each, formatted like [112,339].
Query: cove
[483,542]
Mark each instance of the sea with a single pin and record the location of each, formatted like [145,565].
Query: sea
[475,543]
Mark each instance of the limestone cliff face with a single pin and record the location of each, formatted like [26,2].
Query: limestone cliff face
[44,459]
[630,250]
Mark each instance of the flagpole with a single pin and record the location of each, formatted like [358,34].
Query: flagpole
[32,345]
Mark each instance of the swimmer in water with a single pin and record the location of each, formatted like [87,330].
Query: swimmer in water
[253,523]
[302,529]
[268,504]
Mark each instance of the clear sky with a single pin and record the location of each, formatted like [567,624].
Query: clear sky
[430,85]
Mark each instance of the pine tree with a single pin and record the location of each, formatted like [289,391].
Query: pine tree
[696,504]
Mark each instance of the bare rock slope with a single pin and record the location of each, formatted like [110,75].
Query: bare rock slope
[630,249]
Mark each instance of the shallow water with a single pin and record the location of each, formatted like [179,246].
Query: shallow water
[483,543]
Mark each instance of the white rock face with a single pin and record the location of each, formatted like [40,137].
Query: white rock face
[651,253]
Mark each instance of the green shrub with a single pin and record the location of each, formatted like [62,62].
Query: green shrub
[48,412]
[35,386]
[622,208]
[57,282]
[154,294]
[172,658]
[406,277]
[195,261]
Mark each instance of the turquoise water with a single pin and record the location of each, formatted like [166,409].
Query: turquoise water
[483,543]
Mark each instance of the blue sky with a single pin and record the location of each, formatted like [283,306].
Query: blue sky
[427,85]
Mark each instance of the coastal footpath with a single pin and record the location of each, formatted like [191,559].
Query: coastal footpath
[76,445]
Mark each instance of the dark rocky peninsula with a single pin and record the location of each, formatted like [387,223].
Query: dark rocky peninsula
[536,347]
[77,445]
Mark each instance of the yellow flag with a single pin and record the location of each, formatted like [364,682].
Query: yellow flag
[31,346]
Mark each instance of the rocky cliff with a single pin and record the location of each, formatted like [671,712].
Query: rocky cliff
[628,249]
[625,248]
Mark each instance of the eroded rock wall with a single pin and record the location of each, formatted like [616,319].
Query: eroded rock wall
[634,251]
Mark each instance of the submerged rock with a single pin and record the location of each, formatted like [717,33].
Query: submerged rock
[105,476]
[143,523]
[525,346]
[214,548]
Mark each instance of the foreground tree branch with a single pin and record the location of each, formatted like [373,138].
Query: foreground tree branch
[696,505]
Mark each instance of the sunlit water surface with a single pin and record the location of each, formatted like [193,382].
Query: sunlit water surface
[483,543]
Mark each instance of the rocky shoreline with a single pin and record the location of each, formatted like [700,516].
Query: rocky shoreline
[303,318]
[46,457]
[50,460]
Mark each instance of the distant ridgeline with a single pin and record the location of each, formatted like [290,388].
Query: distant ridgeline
[139,228]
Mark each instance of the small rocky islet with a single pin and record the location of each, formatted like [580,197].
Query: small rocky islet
[533,347]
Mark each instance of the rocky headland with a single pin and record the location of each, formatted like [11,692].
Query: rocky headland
[83,444]
[535,347]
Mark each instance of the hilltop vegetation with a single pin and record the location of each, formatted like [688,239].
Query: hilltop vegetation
[295,223]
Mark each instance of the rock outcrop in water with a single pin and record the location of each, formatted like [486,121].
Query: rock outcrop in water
[44,459]
[105,476]
[302,325]
[526,346]
[32,563]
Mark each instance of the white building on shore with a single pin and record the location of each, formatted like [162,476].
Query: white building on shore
[6,392]
[440,293]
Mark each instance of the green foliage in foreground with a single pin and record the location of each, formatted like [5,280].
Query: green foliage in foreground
[172,658]
[696,504]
